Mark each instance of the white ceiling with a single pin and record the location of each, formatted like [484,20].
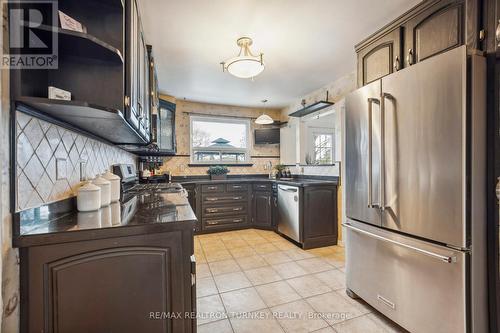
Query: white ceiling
[306,44]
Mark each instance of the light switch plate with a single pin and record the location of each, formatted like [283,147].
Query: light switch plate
[61,172]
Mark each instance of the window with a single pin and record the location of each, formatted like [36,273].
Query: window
[218,140]
[323,148]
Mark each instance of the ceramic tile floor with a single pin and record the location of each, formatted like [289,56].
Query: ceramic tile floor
[256,281]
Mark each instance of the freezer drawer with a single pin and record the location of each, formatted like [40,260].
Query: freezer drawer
[420,286]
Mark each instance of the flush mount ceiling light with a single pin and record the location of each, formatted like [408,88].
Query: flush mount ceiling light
[245,65]
[264,119]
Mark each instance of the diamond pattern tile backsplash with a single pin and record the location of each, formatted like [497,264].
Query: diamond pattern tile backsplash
[51,161]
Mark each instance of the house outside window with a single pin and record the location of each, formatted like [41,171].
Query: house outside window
[219,140]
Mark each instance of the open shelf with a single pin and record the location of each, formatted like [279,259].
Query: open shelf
[90,118]
[310,109]
[84,45]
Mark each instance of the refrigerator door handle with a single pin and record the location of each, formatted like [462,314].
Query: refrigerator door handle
[434,255]
[383,97]
[370,152]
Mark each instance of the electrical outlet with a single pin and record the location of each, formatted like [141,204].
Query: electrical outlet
[61,172]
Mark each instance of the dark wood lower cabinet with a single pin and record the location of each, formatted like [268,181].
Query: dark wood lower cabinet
[194,201]
[319,227]
[262,209]
[124,284]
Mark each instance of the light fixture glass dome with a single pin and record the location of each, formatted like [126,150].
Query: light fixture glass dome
[264,119]
[245,65]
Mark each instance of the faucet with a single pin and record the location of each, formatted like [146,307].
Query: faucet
[269,166]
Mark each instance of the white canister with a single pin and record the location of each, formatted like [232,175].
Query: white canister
[88,198]
[105,186]
[115,185]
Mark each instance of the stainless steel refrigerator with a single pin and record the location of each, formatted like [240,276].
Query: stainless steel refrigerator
[415,146]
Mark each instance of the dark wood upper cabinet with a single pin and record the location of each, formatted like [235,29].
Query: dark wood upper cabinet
[137,98]
[262,209]
[426,30]
[132,65]
[433,31]
[380,58]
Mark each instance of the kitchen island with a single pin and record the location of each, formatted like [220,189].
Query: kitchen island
[128,267]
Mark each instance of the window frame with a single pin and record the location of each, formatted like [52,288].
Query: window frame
[315,131]
[220,119]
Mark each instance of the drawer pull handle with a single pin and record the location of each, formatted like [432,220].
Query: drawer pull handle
[211,199]
[237,198]
[446,259]
[236,186]
[212,210]
[237,220]
[212,222]
[237,208]
[212,187]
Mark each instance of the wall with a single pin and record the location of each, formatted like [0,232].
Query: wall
[9,267]
[40,144]
[261,154]
[337,90]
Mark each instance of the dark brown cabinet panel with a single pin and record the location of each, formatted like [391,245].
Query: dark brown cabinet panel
[426,30]
[225,210]
[227,223]
[380,58]
[108,285]
[236,187]
[262,209]
[212,188]
[225,206]
[320,216]
[194,199]
[435,30]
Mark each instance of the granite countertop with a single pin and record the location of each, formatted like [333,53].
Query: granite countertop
[296,181]
[144,212]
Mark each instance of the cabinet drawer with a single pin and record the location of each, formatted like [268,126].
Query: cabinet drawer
[212,188]
[262,187]
[223,198]
[236,187]
[408,280]
[224,222]
[225,210]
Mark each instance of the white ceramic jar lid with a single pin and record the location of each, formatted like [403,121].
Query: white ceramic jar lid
[89,187]
[100,181]
[110,176]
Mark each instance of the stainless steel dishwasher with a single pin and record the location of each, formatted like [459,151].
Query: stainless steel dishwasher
[288,211]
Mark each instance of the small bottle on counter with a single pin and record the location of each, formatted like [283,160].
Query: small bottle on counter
[105,186]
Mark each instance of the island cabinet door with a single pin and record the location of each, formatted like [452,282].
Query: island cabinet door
[320,216]
[124,284]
